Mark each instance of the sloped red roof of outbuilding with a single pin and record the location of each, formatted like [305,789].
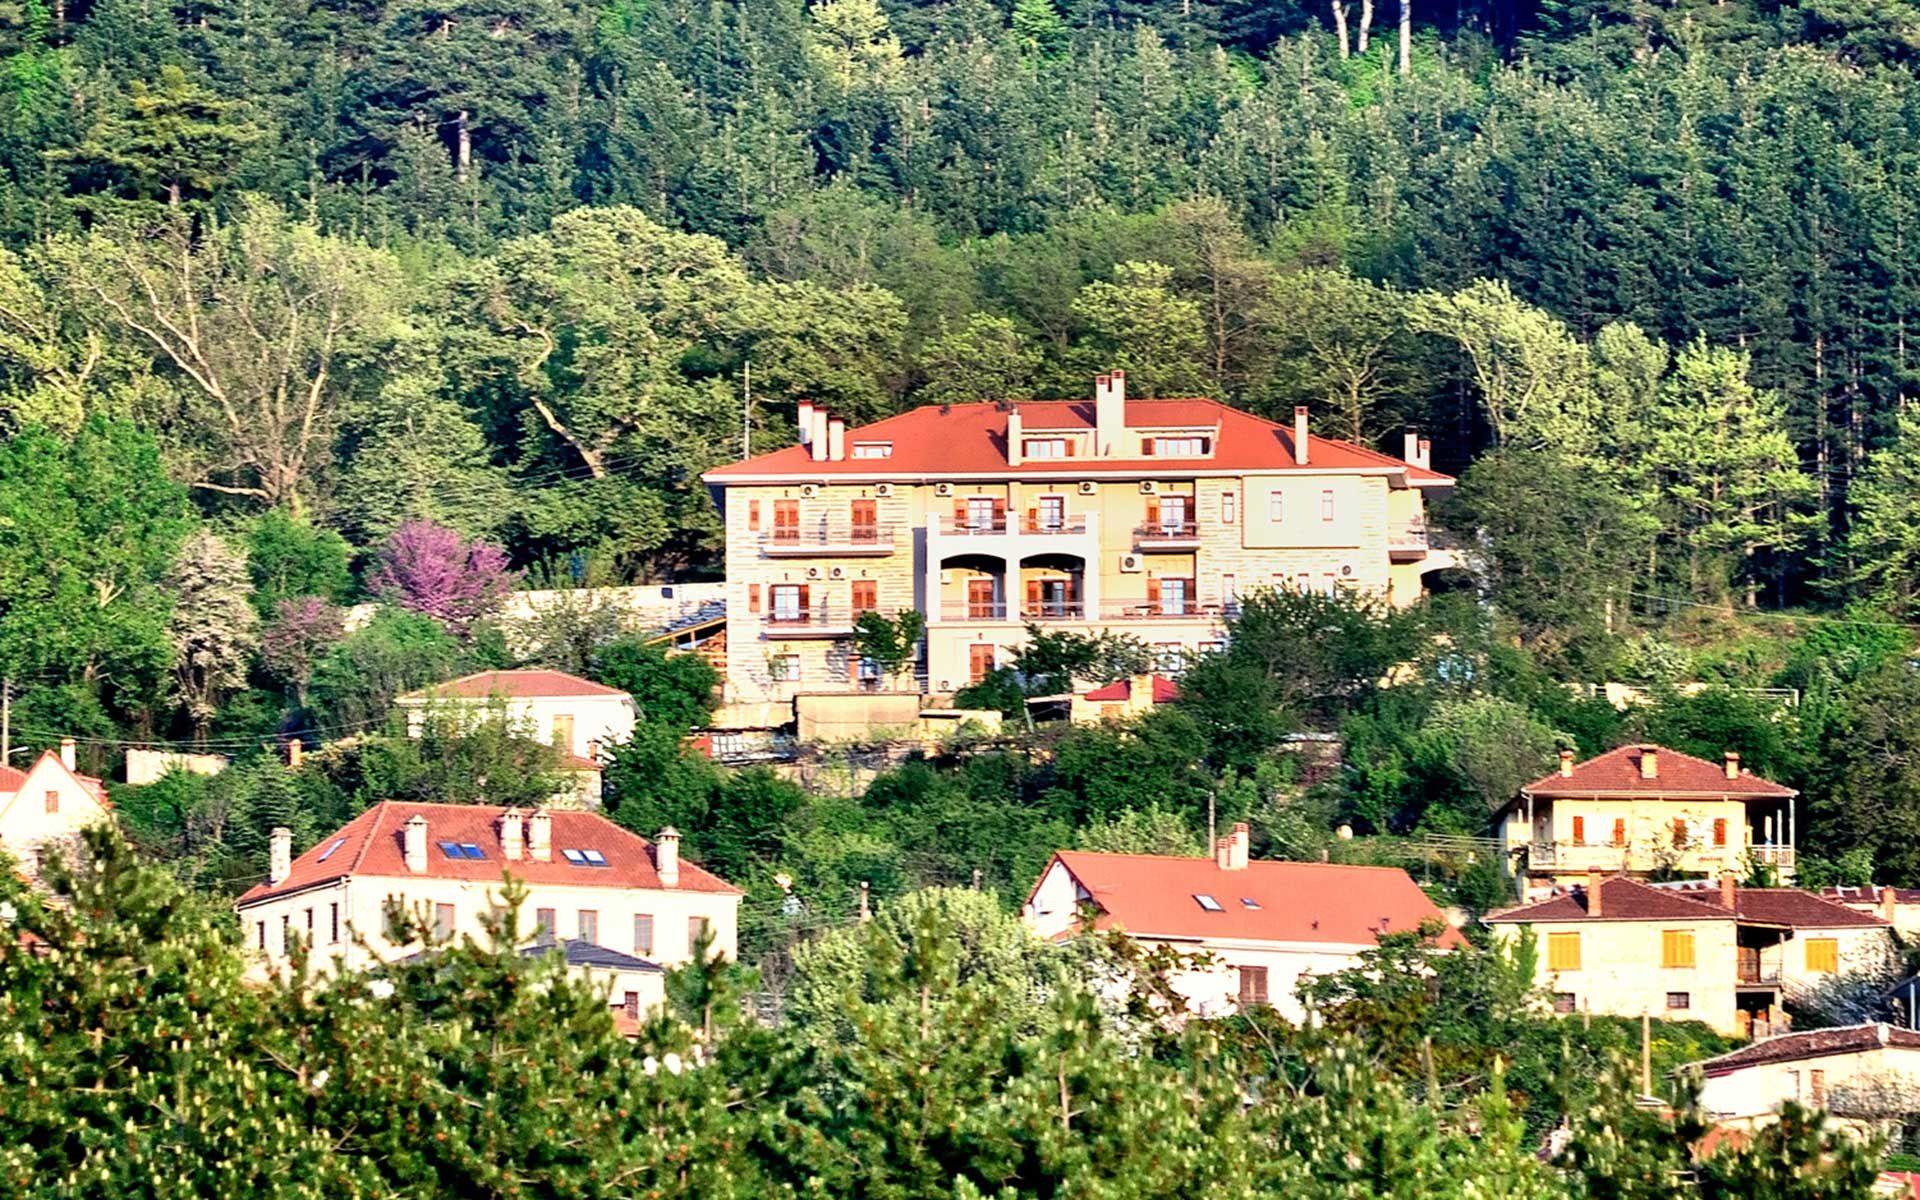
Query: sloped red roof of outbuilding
[519,685]
[1617,772]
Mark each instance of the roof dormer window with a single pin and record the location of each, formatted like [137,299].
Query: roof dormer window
[1044,448]
[873,450]
[1183,446]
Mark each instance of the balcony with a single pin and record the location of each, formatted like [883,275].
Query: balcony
[854,541]
[1408,541]
[1167,536]
[1165,610]
[991,527]
[817,621]
[1041,613]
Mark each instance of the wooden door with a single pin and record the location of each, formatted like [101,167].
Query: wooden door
[980,605]
[979,662]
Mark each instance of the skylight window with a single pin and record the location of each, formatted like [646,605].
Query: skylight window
[462,850]
[595,858]
[1207,902]
[451,849]
[328,852]
[1249,902]
[472,851]
[574,856]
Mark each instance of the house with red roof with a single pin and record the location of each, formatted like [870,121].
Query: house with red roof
[578,717]
[1644,810]
[1144,516]
[1717,952]
[1122,698]
[45,807]
[621,908]
[1257,929]
[1867,1078]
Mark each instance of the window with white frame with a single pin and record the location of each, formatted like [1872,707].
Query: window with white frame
[1044,447]
[784,599]
[1169,658]
[1276,506]
[784,668]
[1179,447]
[1229,508]
[873,450]
[1326,505]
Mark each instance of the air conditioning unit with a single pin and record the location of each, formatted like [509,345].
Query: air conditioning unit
[883,490]
[1148,487]
[808,491]
[943,489]
[1088,487]
[813,572]
[946,685]
[837,573]
[1130,562]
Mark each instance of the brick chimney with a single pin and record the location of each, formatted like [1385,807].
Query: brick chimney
[279,854]
[414,842]
[666,856]
[1426,454]
[1729,891]
[1237,847]
[1733,764]
[1014,434]
[296,754]
[1566,764]
[1300,434]
[67,755]
[540,836]
[1649,762]
[1889,904]
[1594,880]
[513,834]
[1109,412]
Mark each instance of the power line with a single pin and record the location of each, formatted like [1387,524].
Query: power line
[1819,618]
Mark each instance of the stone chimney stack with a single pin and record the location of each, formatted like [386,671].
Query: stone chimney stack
[1300,434]
[666,856]
[1729,891]
[817,433]
[1109,412]
[836,439]
[1014,435]
[1222,854]
[414,842]
[1649,762]
[296,753]
[540,836]
[803,422]
[1426,454]
[1733,764]
[1237,847]
[513,835]
[279,854]
[1566,764]
[1889,903]
[1594,880]
[67,755]
[1411,447]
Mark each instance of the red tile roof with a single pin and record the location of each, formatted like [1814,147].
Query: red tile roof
[371,845]
[1152,895]
[1814,1043]
[971,439]
[519,685]
[1678,776]
[11,779]
[1165,691]
[1625,899]
[1869,894]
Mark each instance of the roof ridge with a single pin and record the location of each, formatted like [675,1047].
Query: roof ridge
[379,809]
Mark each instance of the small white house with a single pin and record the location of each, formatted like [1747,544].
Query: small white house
[578,717]
[1266,925]
[44,807]
[1862,1074]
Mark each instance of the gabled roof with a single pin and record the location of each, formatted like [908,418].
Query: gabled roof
[1678,776]
[11,778]
[1814,1043]
[1152,895]
[1165,691]
[971,439]
[1622,899]
[1869,894]
[588,954]
[372,845]
[515,685]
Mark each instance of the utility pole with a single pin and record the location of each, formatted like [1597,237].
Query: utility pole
[1212,833]
[746,416]
[6,720]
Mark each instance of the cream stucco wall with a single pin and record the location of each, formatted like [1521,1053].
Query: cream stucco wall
[1753,1095]
[1558,857]
[598,721]
[48,813]
[1621,972]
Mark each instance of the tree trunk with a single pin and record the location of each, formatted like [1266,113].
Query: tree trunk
[1406,37]
[1340,26]
[1366,26]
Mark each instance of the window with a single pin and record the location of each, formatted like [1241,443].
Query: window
[1793,1085]
[1253,986]
[589,927]
[981,512]
[786,520]
[784,667]
[309,927]
[788,602]
[260,933]
[53,801]
[1173,514]
[753,514]
[594,858]
[643,934]
[864,518]
[1679,832]
[1579,831]
[873,450]
[1619,831]
[1174,595]
[1679,1000]
[1564,1002]
[1823,955]
[1051,513]
[328,852]
[1817,1087]
[1676,947]
[562,732]
[333,916]
[1719,831]
[1177,447]
[462,850]
[1229,506]
[1249,902]
[1207,902]
[865,595]
[442,922]
[696,929]
[1563,952]
[1044,447]
[1326,505]
[979,662]
[1169,658]
[753,597]
[866,670]
[543,923]
[573,856]
[286,931]
[1276,507]
[1229,590]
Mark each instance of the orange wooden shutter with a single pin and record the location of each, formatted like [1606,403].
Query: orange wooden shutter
[999,512]
[1619,831]
[1033,518]
[960,513]
[1719,831]
[1033,594]
[753,514]
[1579,831]
[753,597]
[803,599]
[1153,591]
[1153,510]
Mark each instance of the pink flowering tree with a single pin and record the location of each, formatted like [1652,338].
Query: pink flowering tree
[302,629]
[430,569]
